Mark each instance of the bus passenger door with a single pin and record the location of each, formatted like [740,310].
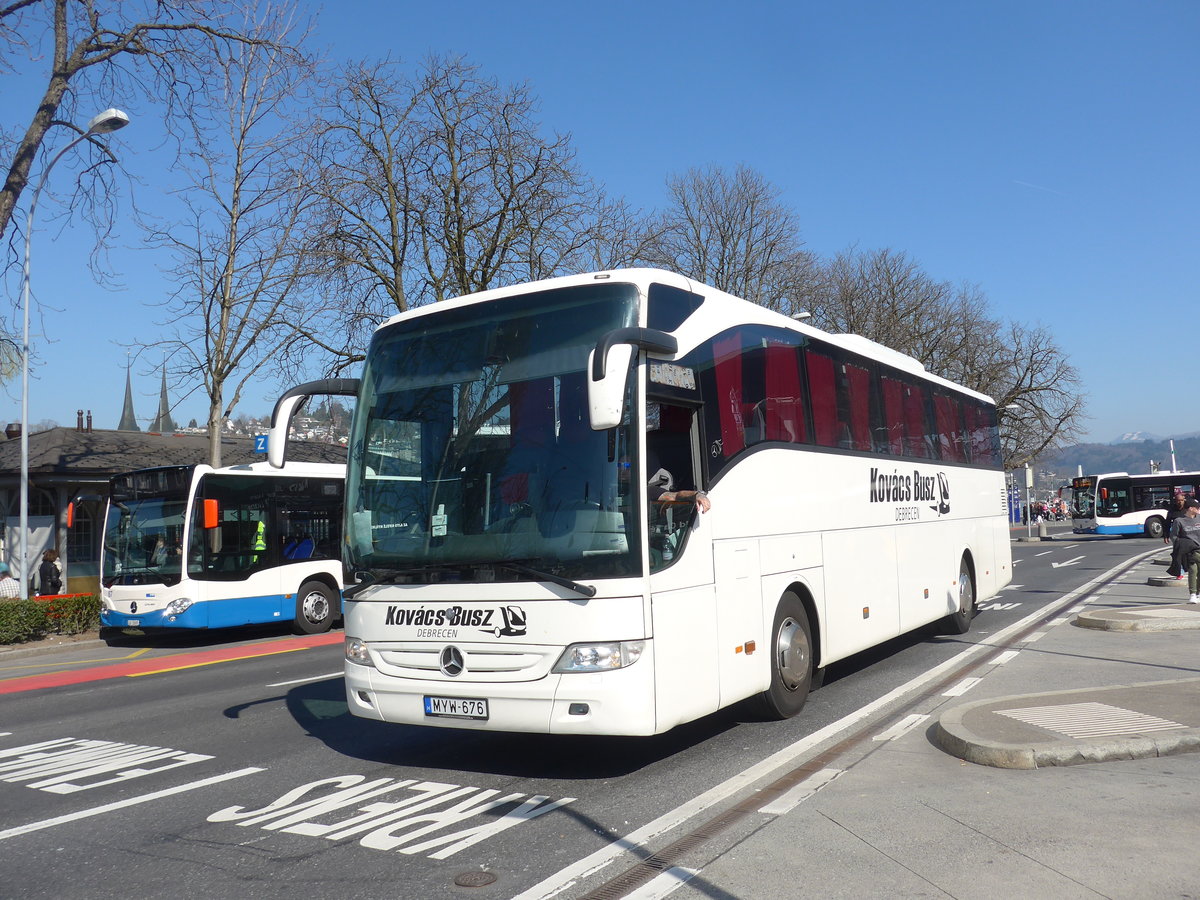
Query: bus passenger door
[740,621]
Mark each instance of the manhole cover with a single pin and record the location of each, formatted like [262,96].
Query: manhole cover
[474,879]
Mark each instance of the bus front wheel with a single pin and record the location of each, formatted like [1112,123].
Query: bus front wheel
[1155,527]
[791,660]
[314,608]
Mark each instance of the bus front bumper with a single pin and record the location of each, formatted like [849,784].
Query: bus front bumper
[620,702]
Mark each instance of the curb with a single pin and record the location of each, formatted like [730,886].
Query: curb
[1158,618]
[954,737]
[17,651]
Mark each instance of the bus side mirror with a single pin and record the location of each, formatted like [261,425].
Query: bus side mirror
[1104,494]
[608,367]
[212,514]
[71,514]
[606,396]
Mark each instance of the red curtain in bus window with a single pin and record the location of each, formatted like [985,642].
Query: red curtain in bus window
[785,407]
[914,422]
[531,414]
[949,427]
[893,414]
[727,353]
[822,391]
[858,389]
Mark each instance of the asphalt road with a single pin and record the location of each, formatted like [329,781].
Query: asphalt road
[247,778]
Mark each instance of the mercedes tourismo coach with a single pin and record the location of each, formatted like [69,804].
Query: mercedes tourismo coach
[517,571]
[198,547]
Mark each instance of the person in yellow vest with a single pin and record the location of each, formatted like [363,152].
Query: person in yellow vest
[260,540]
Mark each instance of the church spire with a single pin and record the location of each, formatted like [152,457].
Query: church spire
[128,419]
[163,423]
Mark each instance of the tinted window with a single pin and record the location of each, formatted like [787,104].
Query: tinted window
[668,307]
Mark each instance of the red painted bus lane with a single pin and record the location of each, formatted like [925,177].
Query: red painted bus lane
[163,664]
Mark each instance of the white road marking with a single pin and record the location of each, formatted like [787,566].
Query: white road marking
[792,798]
[664,884]
[1044,553]
[121,804]
[338,674]
[1012,587]
[636,840]
[962,687]
[901,728]
[1006,656]
[1069,562]
[1036,636]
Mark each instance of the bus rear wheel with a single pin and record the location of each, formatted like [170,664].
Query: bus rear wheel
[959,622]
[314,608]
[791,660]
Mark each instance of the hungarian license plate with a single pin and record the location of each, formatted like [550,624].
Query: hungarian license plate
[456,707]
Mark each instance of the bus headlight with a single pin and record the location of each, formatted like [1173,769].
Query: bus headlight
[599,657]
[176,607]
[356,652]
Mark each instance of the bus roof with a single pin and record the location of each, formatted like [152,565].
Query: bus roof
[736,311]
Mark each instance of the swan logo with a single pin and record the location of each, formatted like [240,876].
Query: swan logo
[942,507]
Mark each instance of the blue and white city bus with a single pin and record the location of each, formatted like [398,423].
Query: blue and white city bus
[198,547]
[513,571]
[1120,503]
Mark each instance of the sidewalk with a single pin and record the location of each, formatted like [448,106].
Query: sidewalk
[1068,769]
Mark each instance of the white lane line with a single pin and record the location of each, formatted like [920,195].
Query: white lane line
[789,800]
[664,884]
[633,842]
[1054,622]
[1006,656]
[338,674]
[121,804]
[1012,587]
[1036,636]
[1044,553]
[901,728]
[962,687]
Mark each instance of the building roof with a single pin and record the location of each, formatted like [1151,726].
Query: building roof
[102,453]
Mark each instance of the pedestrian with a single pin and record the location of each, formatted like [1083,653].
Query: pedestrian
[1185,532]
[50,574]
[9,586]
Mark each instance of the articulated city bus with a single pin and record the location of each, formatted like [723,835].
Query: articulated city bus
[1120,503]
[198,547]
[522,506]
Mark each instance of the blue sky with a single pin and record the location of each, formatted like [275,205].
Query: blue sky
[1042,150]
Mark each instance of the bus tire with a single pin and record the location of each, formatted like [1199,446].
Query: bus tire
[791,660]
[1156,527]
[316,605]
[959,622]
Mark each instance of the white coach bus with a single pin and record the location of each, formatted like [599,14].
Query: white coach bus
[517,572]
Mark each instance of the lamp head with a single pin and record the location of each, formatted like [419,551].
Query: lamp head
[107,121]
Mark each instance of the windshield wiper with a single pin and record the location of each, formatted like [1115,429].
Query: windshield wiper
[582,589]
[369,578]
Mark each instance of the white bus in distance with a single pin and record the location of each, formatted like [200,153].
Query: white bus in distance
[1120,503]
[513,573]
[198,547]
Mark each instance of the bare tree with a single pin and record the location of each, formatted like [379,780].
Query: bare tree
[729,229]
[101,50]
[441,184]
[241,248]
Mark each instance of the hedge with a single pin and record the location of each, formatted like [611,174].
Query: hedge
[29,620]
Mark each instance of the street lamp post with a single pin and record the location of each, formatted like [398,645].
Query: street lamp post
[107,121]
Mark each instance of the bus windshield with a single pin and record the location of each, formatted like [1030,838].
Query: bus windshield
[472,456]
[144,532]
[1083,498]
